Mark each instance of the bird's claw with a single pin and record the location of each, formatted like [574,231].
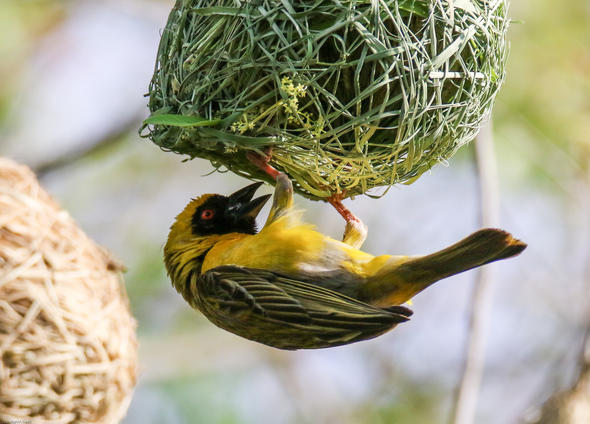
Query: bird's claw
[282,199]
[283,196]
[355,232]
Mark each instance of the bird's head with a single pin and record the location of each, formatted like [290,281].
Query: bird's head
[214,214]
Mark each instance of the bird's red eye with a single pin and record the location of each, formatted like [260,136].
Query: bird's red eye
[207,214]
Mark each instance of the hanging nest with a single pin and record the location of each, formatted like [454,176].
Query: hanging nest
[67,339]
[350,94]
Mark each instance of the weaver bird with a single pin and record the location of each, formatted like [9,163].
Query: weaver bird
[291,287]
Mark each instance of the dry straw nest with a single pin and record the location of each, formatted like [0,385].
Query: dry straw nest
[350,94]
[67,339]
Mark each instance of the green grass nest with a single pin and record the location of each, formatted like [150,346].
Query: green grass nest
[349,94]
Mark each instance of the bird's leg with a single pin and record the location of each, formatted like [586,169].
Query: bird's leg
[355,231]
[262,162]
[283,196]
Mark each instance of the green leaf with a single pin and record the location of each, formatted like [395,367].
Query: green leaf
[174,120]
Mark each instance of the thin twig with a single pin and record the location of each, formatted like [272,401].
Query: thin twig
[584,361]
[572,406]
[113,136]
[468,390]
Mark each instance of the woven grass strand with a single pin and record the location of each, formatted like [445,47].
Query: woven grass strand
[350,94]
[67,339]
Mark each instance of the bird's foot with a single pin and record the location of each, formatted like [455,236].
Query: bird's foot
[283,196]
[355,231]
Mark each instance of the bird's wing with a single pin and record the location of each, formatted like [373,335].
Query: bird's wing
[261,296]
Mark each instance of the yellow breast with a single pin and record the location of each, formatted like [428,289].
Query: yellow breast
[278,247]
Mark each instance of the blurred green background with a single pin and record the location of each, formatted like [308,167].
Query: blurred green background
[72,79]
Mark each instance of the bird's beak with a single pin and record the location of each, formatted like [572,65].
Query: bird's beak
[240,204]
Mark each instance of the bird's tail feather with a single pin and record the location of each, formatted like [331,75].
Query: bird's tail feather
[480,248]
[397,285]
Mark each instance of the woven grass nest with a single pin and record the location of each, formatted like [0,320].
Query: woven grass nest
[349,94]
[67,339]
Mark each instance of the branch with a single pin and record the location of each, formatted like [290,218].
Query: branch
[113,136]
[572,406]
[471,374]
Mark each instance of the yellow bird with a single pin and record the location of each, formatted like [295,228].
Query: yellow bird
[292,287]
